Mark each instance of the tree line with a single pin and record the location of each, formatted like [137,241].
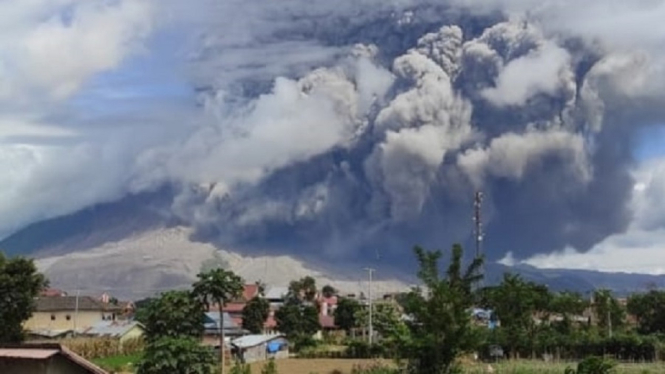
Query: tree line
[426,331]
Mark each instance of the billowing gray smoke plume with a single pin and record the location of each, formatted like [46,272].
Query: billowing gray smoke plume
[385,146]
[355,129]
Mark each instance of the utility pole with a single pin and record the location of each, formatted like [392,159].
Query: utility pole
[478,228]
[609,317]
[371,329]
[76,311]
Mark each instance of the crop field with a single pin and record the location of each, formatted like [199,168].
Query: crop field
[326,366]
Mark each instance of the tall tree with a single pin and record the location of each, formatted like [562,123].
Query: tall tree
[181,355]
[20,283]
[386,319]
[173,314]
[440,323]
[328,291]
[345,314]
[608,311]
[303,289]
[173,330]
[297,321]
[219,286]
[649,309]
[516,303]
[254,314]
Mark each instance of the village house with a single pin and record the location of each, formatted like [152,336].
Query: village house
[44,359]
[122,330]
[211,329]
[68,313]
[253,348]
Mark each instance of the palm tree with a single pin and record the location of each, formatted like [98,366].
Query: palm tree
[218,286]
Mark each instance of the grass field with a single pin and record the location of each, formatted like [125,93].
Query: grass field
[319,366]
[117,363]
[325,366]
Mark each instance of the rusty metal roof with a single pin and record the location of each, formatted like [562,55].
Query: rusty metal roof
[42,351]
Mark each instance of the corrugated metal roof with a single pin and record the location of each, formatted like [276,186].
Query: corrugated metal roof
[69,303]
[112,328]
[253,340]
[33,354]
[212,321]
[41,351]
[276,293]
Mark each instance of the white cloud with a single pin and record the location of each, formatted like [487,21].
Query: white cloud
[641,249]
[55,47]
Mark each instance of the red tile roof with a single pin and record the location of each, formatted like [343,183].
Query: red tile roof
[52,292]
[328,300]
[250,291]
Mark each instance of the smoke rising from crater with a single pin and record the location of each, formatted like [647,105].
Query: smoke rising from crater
[362,127]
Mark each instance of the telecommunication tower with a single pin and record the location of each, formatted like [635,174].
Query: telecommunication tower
[478,227]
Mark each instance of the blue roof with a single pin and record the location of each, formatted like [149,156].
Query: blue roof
[112,328]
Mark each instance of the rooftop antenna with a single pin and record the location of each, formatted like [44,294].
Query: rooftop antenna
[478,227]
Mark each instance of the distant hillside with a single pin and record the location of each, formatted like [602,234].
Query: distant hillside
[134,248]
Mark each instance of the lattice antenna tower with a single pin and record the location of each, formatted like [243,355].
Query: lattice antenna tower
[478,224]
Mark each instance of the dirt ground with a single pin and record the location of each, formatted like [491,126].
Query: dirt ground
[318,366]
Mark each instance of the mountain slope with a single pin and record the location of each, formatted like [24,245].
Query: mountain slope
[133,249]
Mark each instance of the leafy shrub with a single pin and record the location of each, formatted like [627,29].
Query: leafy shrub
[269,367]
[240,368]
[176,356]
[593,365]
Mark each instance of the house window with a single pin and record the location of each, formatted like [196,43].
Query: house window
[52,317]
[68,317]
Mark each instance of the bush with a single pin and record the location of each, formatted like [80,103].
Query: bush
[240,368]
[176,356]
[303,343]
[269,367]
[593,365]
[374,368]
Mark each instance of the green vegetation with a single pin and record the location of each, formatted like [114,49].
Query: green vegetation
[346,313]
[176,355]
[20,283]
[119,362]
[298,318]
[440,327]
[219,286]
[254,314]
[173,331]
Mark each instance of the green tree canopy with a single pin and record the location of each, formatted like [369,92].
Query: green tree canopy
[219,286]
[649,309]
[607,309]
[174,314]
[303,289]
[297,320]
[176,355]
[20,283]
[254,314]
[345,314]
[440,326]
[328,291]
[516,302]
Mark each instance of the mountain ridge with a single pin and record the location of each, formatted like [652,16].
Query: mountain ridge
[134,248]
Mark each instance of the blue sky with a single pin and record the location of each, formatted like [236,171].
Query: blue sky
[651,143]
